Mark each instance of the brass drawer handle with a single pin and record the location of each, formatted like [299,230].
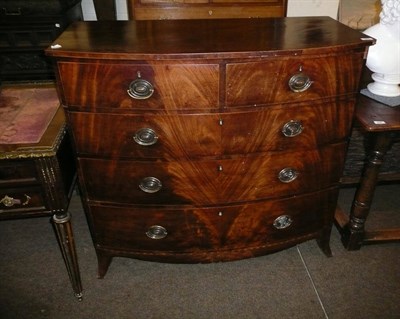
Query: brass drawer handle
[300,82]
[140,89]
[292,128]
[282,222]
[156,232]
[150,185]
[9,201]
[145,137]
[287,175]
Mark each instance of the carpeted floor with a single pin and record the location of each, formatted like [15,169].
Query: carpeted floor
[296,283]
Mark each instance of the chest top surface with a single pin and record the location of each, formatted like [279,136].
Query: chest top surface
[226,38]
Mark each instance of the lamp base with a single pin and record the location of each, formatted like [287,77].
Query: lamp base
[385,84]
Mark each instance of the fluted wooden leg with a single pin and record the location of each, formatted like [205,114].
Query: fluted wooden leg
[65,238]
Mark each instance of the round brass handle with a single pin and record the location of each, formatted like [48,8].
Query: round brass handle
[287,175]
[140,89]
[145,137]
[300,82]
[156,232]
[292,128]
[150,185]
[282,222]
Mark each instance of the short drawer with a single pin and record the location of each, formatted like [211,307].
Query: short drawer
[186,229]
[311,78]
[140,86]
[280,127]
[17,172]
[20,201]
[210,182]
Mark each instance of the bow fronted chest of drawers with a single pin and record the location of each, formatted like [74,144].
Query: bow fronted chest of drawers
[208,140]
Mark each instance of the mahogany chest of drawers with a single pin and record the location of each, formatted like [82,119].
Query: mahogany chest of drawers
[208,140]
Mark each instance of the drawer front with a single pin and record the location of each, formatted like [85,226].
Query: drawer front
[211,182]
[17,172]
[155,136]
[21,200]
[287,127]
[268,81]
[107,85]
[229,227]
[205,9]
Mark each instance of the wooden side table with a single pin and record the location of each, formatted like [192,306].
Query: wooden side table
[37,179]
[382,123]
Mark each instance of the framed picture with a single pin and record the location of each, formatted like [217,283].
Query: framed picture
[359,14]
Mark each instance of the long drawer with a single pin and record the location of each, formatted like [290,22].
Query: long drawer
[190,229]
[209,182]
[18,173]
[22,199]
[281,127]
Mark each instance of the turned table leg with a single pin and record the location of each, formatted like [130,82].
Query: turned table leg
[353,234]
[67,244]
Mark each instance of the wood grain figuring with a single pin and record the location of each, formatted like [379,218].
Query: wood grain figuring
[105,85]
[227,128]
[202,183]
[211,234]
[266,82]
[332,122]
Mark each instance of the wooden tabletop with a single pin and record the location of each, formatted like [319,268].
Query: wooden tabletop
[377,117]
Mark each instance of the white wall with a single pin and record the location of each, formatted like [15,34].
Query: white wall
[295,8]
[301,8]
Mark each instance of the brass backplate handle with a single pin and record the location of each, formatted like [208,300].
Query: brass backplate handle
[140,89]
[300,82]
[156,232]
[145,137]
[292,128]
[282,222]
[10,201]
[287,175]
[150,184]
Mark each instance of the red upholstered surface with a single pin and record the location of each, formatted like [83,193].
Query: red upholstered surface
[25,113]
